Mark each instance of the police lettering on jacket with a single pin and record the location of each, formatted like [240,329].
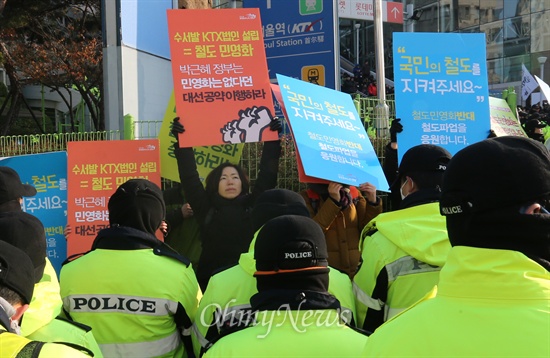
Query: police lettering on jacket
[113,303]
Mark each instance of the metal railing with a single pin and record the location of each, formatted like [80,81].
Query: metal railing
[288,173]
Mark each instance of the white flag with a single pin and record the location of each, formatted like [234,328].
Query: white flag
[528,83]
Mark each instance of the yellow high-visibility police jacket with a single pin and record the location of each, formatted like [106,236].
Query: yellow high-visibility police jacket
[402,252]
[227,299]
[292,332]
[138,295]
[41,321]
[16,346]
[488,303]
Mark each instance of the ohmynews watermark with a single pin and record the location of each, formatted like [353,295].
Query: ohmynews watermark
[299,318]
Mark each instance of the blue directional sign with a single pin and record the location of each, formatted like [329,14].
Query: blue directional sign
[300,39]
[441,89]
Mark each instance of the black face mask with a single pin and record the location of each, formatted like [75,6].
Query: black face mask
[505,230]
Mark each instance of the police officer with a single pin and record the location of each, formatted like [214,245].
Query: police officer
[42,321]
[492,299]
[295,315]
[226,302]
[402,251]
[137,293]
[16,288]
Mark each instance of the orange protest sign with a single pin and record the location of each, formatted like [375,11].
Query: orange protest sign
[221,81]
[94,171]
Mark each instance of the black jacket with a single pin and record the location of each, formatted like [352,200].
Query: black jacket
[226,229]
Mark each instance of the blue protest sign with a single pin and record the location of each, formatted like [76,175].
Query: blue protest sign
[331,140]
[441,89]
[47,172]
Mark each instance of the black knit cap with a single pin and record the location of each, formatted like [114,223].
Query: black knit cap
[25,232]
[422,158]
[16,271]
[495,173]
[11,187]
[290,244]
[533,124]
[276,202]
[138,203]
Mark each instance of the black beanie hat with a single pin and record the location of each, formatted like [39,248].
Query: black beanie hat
[139,204]
[290,243]
[16,271]
[25,232]
[276,202]
[11,187]
[422,158]
[495,173]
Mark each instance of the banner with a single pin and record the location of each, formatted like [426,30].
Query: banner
[206,157]
[330,138]
[544,88]
[528,83]
[441,90]
[95,170]
[503,120]
[221,82]
[47,172]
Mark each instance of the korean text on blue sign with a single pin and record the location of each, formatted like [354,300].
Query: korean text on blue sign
[47,172]
[330,137]
[300,40]
[441,89]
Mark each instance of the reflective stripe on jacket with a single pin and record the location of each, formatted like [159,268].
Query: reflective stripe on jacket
[402,253]
[136,301]
[488,303]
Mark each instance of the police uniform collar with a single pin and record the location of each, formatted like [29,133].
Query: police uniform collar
[124,238]
[272,300]
[128,238]
[4,320]
[423,196]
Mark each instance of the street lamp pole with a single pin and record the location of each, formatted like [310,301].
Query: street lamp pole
[381,110]
[542,61]
[357,27]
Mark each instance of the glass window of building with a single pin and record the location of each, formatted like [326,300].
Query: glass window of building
[517,36]
[468,13]
[491,10]
[540,5]
[540,31]
[513,8]
[494,35]
[512,67]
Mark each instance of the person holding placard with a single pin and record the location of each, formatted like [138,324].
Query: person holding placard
[223,206]
[342,211]
[225,306]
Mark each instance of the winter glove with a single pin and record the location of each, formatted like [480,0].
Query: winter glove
[345,199]
[395,128]
[276,124]
[176,129]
